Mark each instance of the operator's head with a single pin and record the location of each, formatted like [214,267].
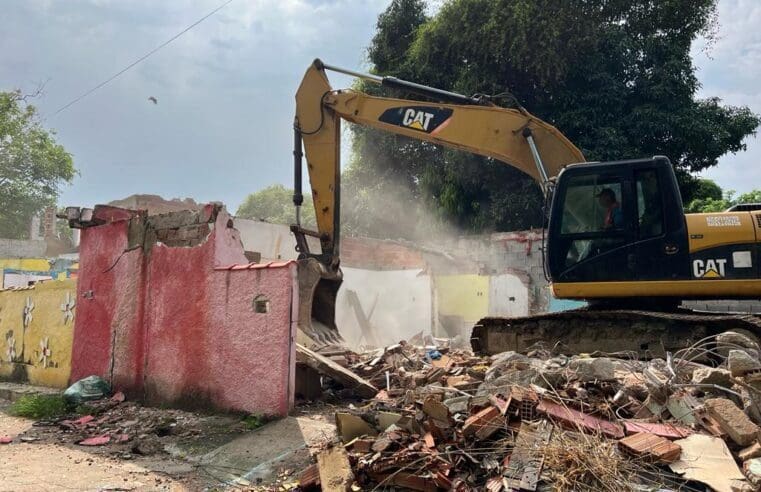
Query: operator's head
[607,197]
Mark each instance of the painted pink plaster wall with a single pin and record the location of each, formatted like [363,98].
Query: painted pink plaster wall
[177,325]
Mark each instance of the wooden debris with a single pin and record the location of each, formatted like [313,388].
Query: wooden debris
[342,375]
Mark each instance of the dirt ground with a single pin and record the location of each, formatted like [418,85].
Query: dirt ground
[201,452]
[46,463]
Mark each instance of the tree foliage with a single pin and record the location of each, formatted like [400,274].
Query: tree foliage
[275,204]
[32,165]
[615,76]
[724,201]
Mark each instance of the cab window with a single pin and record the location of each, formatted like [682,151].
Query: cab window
[649,204]
[592,218]
[592,204]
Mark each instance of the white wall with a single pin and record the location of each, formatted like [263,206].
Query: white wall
[508,296]
[20,279]
[273,241]
[402,300]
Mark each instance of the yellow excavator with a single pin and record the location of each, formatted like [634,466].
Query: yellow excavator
[617,235]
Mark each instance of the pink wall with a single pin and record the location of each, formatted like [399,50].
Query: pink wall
[176,325]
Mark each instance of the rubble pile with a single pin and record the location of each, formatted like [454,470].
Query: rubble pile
[136,429]
[449,420]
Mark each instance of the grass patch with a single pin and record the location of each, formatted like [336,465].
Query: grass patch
[251,422]
[39,407]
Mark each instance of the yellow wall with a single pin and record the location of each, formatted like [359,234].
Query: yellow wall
[49,327]
[29,264]
[466,296]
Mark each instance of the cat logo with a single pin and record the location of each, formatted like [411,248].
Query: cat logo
[709,268]
[421,118]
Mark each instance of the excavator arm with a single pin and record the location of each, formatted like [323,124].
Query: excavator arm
[473,124]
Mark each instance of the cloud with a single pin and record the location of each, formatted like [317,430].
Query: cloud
[222,125]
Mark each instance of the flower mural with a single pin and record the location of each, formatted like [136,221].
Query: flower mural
[45,352]
[67,306]
[28,308]
[10,351]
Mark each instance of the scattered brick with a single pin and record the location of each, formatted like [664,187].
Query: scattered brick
[650,447]
[309,478]
[483,419]
[668,431]
[574,418]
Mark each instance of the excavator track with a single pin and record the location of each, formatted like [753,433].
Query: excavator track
[588,330]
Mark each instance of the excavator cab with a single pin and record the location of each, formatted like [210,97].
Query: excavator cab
[617,221]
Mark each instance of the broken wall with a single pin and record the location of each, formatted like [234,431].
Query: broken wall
[468,278]
[37,327]
[379,308]
[171,312]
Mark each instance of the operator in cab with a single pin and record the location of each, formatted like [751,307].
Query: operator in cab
[614,219]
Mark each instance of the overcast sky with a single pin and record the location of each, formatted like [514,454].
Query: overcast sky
[222,125]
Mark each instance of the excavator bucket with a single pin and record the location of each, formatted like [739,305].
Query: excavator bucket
[318,288]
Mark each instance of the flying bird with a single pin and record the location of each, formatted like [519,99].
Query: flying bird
[153,100]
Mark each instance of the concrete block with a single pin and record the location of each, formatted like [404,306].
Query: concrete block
[711,375]
[732,420]
[593,369]
[741,362]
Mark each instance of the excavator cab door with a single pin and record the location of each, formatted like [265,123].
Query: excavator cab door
[617,221]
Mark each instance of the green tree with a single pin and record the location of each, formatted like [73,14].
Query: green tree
[275,204]
[615,76]
[726,200]
[33,165]
[707,188]
[753,196]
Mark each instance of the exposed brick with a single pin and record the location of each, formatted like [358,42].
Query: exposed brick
[574,418]
[309,478]
[732,420]
[650,447]
[483,424]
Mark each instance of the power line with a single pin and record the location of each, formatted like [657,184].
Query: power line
[154,50]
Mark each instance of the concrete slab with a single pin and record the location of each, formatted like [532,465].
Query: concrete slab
[259,455]
[14,391]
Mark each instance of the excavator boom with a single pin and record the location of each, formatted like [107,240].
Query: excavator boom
[512,136]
